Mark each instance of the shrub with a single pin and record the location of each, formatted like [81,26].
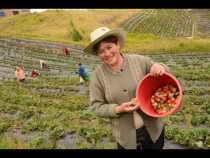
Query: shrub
[76,36]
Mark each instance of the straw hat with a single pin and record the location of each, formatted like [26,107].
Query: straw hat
[101,33]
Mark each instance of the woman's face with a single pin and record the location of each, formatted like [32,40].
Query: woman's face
[109,53]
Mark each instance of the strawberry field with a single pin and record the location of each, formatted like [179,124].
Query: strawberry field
[190,126]
[170,22]
[162,22]
[52,110]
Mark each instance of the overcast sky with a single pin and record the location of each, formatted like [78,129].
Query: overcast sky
[37,10]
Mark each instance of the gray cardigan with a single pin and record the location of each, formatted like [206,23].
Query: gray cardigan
[108,89]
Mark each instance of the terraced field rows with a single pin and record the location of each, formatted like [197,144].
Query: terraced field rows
[15,52]
[170,22]
[190,126]
[161,22]
[52,111]
[203,22]
[131,24]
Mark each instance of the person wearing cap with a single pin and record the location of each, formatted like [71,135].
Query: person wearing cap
[112,90]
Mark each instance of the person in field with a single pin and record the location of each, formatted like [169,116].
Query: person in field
[34,73]
[19,73]
[112,90]
[66,51]
[83,73]
[43,65]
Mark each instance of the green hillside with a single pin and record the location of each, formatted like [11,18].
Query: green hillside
[149,30]
[202,25]
[52,111]
[170,22]
[161,22]
[62,25]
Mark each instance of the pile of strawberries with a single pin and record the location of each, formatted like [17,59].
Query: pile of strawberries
[164,98]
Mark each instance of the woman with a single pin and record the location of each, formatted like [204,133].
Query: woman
[112,91]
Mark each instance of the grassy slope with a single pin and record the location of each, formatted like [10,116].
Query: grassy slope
[55,25]
[149,43]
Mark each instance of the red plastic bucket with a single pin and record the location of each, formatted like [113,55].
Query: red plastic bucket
[146,88]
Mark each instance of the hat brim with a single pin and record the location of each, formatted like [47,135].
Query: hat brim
[119,33]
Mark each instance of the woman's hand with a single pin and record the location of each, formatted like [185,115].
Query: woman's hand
[127,106]
[157,70]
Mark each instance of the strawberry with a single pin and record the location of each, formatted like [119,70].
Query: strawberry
[164,98]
